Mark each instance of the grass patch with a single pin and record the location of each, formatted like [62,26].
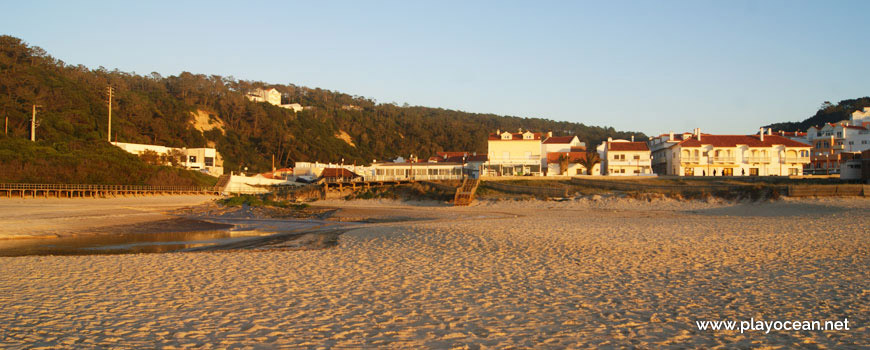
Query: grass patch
[259,201]
[414,191]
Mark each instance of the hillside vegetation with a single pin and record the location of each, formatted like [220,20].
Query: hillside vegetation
[827,113]
[170,111]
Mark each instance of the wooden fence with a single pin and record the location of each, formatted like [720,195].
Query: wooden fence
[828,190]
[76,190]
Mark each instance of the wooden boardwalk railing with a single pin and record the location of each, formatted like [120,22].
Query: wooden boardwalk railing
[19,190]
[828,190]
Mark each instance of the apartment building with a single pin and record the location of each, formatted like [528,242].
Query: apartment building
[764,154]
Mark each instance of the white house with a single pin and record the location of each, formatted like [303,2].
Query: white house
[660,147]
[293,106]
[272,96]
[207,160]
[554,147]
[861,118]
[625,158]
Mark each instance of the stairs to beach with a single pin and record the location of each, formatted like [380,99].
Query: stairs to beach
[465,192]
[222,182]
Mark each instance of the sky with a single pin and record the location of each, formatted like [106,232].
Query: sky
[726,67]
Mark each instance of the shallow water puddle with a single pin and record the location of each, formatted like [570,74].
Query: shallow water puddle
[120,243]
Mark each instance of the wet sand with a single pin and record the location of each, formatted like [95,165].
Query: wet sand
[608,273]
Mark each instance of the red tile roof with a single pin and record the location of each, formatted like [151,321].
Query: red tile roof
[856,127]
[553,157]
[734,140]
[516,136]
[337,173]
[559,139]
[790,133]
[477,158]
[468,158]
[627,146]
[452,154]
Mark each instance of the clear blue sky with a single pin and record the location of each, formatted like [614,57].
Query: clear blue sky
[654,66]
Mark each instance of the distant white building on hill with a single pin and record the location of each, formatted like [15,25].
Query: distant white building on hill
[206,160]
[273,97]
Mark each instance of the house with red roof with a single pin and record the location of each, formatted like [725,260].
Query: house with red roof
[565,163]
[513,153]
[660,150]
[765,154]
[625,158]
[555,146]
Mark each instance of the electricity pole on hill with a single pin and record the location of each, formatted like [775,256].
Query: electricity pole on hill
[33,124]
[110,90]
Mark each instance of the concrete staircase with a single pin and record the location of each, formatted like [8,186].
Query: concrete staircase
[465,192]
[222,182]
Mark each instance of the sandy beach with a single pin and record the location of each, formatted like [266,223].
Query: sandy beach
[59,217]
[604,273]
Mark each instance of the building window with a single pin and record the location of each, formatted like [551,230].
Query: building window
[192,159]
[209,161]
[792,171]
[636,157]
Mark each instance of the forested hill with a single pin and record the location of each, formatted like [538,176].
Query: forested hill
[827,113]
[160,110]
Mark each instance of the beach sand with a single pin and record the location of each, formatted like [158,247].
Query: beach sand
[59,217]
[606,273]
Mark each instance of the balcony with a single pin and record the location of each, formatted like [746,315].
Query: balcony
[517,160]
[757,159]
[796,160]
[723,159]
[690,160]
[630,162]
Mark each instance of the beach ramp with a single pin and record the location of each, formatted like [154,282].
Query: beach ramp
[465,192]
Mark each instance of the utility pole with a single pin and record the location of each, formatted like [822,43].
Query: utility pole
[33,124]
[6,128]
[110,90]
